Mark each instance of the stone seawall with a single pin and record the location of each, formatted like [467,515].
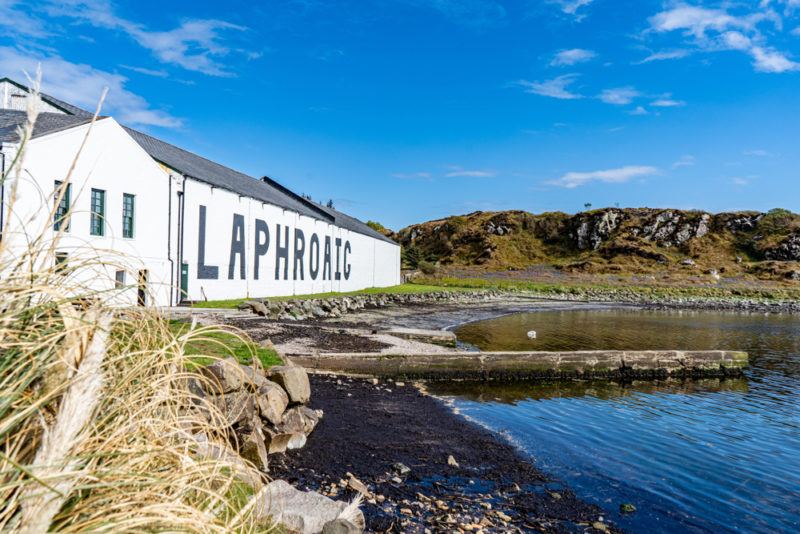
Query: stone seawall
[334,307]
[533,365]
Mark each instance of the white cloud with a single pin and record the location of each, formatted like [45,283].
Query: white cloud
[665,55]
[459,172]
[686,160]
[147,72]
[639,110]
[667,101]
[572,180]
[757,152]
[194,45]
[740,181]
[696,21]
[412,175]
[572,56]
[619,96]
[82,85]
[770,60]
[555,88]
[717,30]
[571,7]
[16,21]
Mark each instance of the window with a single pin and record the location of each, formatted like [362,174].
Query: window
[60,219]
[119,279]
[61,262]
[98,212]
[127,214]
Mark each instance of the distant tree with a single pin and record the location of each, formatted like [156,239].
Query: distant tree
[411,257]
[588,205]
[378,227]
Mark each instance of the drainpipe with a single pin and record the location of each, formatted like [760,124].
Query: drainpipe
[181,219]
[2,189]
[169,244]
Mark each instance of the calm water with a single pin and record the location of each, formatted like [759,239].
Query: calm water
[704,456]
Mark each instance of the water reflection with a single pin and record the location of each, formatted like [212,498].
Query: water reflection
[696,456]
[514,392]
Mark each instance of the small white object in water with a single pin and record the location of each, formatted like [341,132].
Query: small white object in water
[532,334]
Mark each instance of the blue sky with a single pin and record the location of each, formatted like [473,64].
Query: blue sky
[407,110]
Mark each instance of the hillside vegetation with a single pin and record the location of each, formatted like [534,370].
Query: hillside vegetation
[612,240]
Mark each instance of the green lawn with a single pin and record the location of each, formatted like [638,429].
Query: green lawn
[211,344]
[394,290]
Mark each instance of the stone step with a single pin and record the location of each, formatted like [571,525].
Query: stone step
[601,364]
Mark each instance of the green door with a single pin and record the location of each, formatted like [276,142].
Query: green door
[184,281]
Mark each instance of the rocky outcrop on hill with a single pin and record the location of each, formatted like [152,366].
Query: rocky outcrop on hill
[610,239]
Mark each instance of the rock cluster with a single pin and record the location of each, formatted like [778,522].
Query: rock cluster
[788,250]
[265,410]
[301,309]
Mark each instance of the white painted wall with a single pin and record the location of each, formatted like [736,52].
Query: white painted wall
[112,161]
[372,262]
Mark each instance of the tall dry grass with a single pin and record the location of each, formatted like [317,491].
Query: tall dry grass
[98,431]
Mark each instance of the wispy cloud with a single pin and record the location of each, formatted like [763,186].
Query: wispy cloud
[572,56]
[713,30]
[412,175]
[460,172]
[757,152]
[666,101]
[573,7]
[147,72]
[195,44]
[555,88]
[639,110]
[740,181]
[619,96]
[571,180]
[82,85]
[664,55]
[19,22]
[686,160]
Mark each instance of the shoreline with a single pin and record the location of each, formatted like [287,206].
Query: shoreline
[367,428]
[462,476]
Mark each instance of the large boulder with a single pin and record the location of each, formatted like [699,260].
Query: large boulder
[225,376]
[235,406]
[252,447]
[272,401]
[278,441]
[303,511]
[294,380]
[256,306]
[300,419]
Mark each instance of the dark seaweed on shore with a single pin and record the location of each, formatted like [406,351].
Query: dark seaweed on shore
[487,485]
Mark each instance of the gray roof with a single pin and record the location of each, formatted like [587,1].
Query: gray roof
[187,163]
[46,123]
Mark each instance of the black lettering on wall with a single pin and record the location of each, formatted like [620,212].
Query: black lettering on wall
[281,253]
[313,256]
[262,245]
[347,251]
[326,262]
[237,247]
[299,253]
[338,263]
[204,272]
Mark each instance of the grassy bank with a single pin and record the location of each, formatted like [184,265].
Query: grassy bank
[402,289]
[207,345]
[655,292]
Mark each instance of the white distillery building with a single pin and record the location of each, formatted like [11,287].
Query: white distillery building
[172,226]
